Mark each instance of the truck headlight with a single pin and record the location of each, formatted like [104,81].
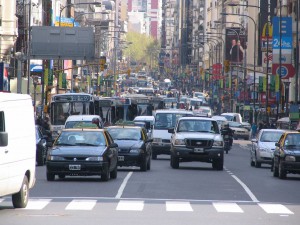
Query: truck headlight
[179,142]
[218,143]
[290,158]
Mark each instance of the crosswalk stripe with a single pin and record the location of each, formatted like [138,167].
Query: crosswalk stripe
[130,205]
[275,208]
[227,207]
[178,206]
[37,204]
[81,205]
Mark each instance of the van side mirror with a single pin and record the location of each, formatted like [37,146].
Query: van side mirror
[3,139]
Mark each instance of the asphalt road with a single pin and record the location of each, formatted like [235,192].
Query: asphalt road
[192,194]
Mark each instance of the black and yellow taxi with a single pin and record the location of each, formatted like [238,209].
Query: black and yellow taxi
[286,157]
[135,147]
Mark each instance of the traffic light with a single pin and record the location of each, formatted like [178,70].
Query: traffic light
[102,63]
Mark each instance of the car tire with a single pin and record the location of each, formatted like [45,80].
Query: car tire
[20,199]
[217,164]
[174,162]
[143,166]
[257,164]
[252,162]
[105,174]
[114,173]
[281,171]
[50,176]
[40,159]
[154,156]
[149,164]
[275,170]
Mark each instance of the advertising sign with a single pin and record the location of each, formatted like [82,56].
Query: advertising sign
[235,45]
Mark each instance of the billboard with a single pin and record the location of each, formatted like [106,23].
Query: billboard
[235,45]
[62,43]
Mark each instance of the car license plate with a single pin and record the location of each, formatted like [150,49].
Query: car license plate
[199,150]
[121,158]
[74,167]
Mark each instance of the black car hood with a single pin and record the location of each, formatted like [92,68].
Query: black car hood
[78,150]
[129,144]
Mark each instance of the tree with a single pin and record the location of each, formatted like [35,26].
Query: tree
[142,50]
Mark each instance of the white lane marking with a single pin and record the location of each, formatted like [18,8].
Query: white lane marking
[37,204]
[179,206]
[227,207]
[130,205]
[275,208]
[248,191]
[123,185]
[81,205]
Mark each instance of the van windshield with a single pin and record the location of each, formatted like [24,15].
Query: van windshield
[164,121]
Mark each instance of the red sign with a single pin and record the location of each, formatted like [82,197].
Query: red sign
[286,70]
[217,69]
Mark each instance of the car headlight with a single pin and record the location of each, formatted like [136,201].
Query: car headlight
[95,158]
[136,151]
[55,158]
[218,143]
[290,158]
[157,140]
[179,142]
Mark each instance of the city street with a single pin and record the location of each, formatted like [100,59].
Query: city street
[192,194]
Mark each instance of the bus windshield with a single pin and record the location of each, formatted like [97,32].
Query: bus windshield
[61,110]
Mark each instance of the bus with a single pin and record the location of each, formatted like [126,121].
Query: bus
[114,109]
[141,105]
[64,105]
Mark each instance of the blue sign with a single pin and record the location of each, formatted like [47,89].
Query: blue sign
[282,71]
[286,26]
[282,38]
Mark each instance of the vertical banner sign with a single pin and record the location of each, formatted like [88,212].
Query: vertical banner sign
[264,84]
[260,84]
[64,80]
[46,76]
[50,77]
[60,79]
[272,84]
[277,82]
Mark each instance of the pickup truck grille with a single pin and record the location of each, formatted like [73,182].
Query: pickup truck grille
[199,143]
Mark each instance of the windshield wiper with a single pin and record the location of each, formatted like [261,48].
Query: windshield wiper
[63,144]
[85,144]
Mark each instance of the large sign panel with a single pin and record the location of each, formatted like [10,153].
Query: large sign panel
[235,45]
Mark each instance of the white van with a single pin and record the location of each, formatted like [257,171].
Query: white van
[236,117]
[17,147]
[164,120]
[82,120]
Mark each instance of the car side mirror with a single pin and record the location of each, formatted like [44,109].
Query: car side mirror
[171,130]
[49,144]
[114,145]
[254,140]
[149,140]
[277,144]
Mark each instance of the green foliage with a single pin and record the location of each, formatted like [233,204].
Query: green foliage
[144,49]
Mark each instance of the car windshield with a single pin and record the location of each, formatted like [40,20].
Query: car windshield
[198,126]
[85,138]
[292,141]
[228,117]
[125,133]
[269,136]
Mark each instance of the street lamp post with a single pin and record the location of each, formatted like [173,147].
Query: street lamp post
[254,58]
